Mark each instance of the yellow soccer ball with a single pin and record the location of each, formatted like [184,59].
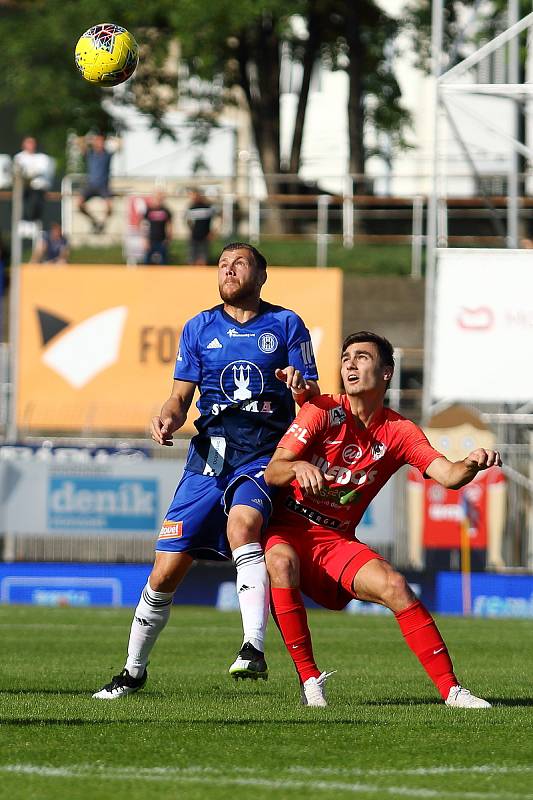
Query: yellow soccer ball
[107,54]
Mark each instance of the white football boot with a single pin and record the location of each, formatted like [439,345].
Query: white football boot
[459,697]
[313,691]
[120,686]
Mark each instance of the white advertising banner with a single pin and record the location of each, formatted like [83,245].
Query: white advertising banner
[89,496]
[483,335]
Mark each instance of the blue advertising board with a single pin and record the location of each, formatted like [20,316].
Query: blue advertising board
[102,503]
[86,584]
[66,584]
[492,595]
[58,584]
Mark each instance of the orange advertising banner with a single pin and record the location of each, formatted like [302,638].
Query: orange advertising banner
[98,343]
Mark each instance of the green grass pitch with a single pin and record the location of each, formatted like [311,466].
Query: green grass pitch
[194,733]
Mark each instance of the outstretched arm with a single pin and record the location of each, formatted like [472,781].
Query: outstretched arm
[454,474]
[301,389]
[173,413]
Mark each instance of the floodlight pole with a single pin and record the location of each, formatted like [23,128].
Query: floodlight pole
[14,294]
[431,240]
[512,179]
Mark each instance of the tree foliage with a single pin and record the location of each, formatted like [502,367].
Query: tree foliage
[466,24]
[225,45]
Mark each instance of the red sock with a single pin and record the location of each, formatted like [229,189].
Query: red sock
[422,636]
[290,616]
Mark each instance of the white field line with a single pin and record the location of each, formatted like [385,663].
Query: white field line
[98,626]
[215,777]
[481,769]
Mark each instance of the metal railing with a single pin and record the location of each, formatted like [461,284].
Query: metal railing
[344,217]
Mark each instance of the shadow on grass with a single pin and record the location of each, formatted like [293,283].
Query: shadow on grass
[512,702]
[401,701]
[428,701]
[237,723]
[66,692]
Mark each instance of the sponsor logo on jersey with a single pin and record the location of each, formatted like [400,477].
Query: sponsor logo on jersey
[316,517]
[337,415]
[214,344]
[298,432]
[445,513]
[80,353]
[232,333]
[255,406]
[171,529]
[352,453]
[257,501]
[378,450]
[342,476]
[267,342]
[241,380]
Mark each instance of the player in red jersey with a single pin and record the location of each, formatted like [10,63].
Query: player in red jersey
[333,460]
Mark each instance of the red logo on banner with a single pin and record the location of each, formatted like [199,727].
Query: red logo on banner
[475,319]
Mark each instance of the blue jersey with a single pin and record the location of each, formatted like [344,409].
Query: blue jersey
[244,408]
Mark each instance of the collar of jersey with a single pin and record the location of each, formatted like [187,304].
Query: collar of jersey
[377,419]
[261,310]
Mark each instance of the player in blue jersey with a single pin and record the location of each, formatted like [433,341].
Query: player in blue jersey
[250,360]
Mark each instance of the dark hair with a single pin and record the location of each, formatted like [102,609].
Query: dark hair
[259,259]
[385,349]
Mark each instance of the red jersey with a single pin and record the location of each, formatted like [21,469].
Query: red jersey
[326,433]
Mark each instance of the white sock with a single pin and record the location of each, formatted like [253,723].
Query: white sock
[253,590]
[151,616]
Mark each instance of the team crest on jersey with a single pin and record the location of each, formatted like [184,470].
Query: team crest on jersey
[337,415]
[378,450]
[241,380]
[352,453]
[267,342]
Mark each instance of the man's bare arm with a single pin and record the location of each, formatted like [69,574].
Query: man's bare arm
[301,389]
[284,467]
[454,474]
[173,413]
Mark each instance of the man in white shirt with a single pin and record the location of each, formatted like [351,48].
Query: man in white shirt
[37,171]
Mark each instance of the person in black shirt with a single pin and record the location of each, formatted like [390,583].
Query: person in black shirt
[199,217]
[158,226]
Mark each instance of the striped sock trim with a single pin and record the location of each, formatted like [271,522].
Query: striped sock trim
[157,600]
[248,554]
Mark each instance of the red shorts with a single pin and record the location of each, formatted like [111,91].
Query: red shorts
[328,561]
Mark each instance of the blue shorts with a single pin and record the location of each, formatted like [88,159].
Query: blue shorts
[96,190]
[195,523]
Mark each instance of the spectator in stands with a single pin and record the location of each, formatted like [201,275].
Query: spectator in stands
[199,217]
[52,247]
[37,172]
[158,226]
[98,154]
